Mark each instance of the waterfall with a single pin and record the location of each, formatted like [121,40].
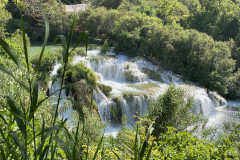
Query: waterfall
[118,70]
[202,103]
[133,106]
[65,108]
[112,110]
[134,82]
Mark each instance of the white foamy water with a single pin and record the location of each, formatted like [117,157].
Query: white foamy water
[65,108]
[132,89]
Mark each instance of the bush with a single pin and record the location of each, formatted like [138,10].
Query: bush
[105,47]
[173,108]
[48,61]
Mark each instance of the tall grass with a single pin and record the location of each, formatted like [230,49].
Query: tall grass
[30,140]
[27,136]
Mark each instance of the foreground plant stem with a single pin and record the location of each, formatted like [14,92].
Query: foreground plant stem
[58,102]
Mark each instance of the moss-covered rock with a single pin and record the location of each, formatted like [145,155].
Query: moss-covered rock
[104,88]
[82,94]
[78,72]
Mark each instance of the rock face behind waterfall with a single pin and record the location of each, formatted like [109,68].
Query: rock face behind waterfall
[81,93]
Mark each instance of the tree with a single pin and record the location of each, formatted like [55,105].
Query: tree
[218,18]
[109,4]
[172,11]
[172,109]
[5,16]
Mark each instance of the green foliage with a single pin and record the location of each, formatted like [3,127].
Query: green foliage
[47,63]
[234,86]
[109,4]
[105,47]
[78,72]
[172,11]
[181,145]
[190,53]
[5,16]
[16,43]
[172,109]
[94,20]
[98,21]
[29,127]
[218,18]
[20,109]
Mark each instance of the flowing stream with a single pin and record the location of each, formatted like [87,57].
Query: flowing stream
[135,82]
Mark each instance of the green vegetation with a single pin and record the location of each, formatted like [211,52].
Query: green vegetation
[49,59]
[171,109]
[167,31]
[105,47]
[104,88]
[77,72]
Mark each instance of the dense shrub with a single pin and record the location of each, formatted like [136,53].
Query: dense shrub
[105,47]
[173,108]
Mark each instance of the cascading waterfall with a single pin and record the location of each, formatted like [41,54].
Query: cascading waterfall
[118,70]
[134,83]
[65,108]
[134,106]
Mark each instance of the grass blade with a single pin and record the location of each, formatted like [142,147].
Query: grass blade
[47,132]
[71,32]
[24,42]
[1,116]
[34,100]
[9,51]
[86,35]
[18,115]
[45,38]
[64,147]
[20,144]
[43,128]
[135,144]
[98,147]
[80,39]
[64,44]
[84,74]
[145,144]
[68,134]
[5,70]
[79,109]
[2,152]
[149,152]
[44,152]
[116,154]
[76,140]
[4,137]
